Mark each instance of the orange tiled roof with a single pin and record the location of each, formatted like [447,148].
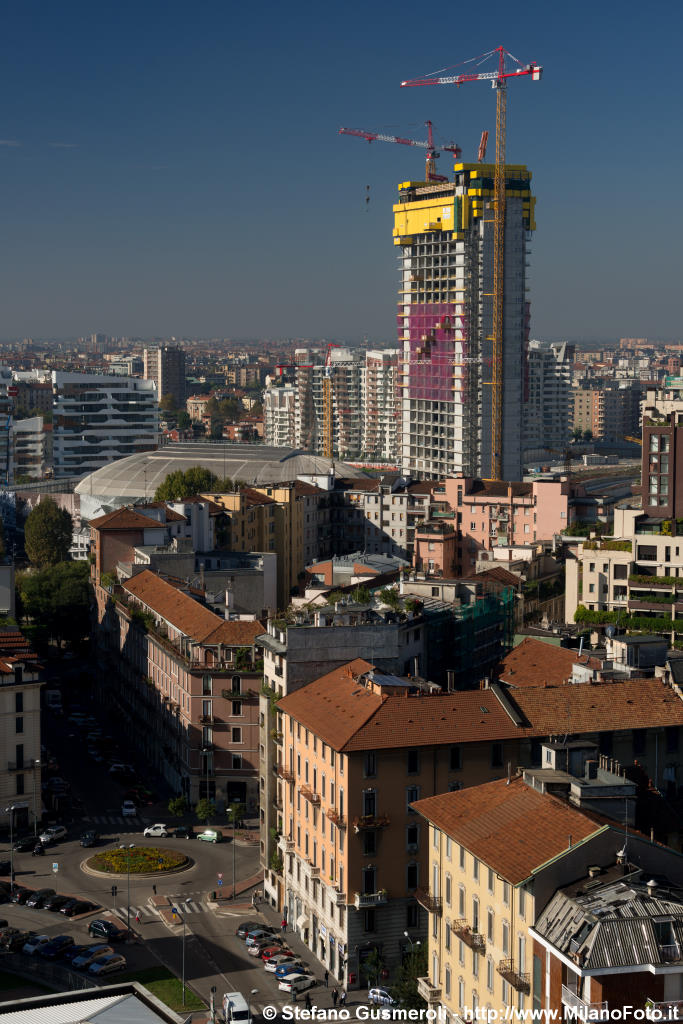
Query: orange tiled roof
[537,663]
[336,709]
[181,610]
[628,704]
[124,519]
[493,821]
[235,633]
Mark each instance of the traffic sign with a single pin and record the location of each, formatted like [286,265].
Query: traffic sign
[220,874]
[220,881]
[55,866]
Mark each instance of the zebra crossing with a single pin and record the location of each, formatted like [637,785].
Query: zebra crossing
[147,912]
[137,824]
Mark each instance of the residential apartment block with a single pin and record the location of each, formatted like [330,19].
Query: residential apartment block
[518,881]
[20,737]
[165,366]
[444,235]
[186,685]
[546,409]
[100,419]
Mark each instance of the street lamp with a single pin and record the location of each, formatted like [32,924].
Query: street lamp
[36,765]
[10,810]
[176,913]
[253,992]
[128,848]
[233,812]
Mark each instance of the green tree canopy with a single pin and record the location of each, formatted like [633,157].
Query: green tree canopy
[413,967]
[184,421]
[196,480]
[48,534]
[57,597]
[205,810]
[167,403]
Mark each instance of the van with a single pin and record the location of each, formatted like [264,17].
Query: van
[236,1008]
[210,835]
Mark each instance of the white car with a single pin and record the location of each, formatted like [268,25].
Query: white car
[52,834]
[128,809]
[156,830]
[35,943]
[273,962]
[297,983]
[380,997]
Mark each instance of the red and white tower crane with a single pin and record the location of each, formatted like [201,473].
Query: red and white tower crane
[432,153]
[498,80]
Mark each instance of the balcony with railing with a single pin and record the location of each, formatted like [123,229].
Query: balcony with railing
[370,899]
[519,980]
[309,794]
[670,1009]
[284,772]
[430,993]
[339,898]
[336,817]
[586,1010]
[286,844]
[426,899]
[475,940]
[206,719]
[368,821]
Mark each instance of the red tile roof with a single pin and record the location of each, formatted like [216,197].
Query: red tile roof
[124,519]
[235,633]
[510,827]
[535,662]
[181,610]
[336,707]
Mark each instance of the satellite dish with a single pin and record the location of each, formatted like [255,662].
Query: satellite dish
[610,631]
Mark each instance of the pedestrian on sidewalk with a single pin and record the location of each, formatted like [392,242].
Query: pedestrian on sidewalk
[154,889]
[342,997]
[137,918]
[335,996]
[283,925]
[327,979]
[307,1001]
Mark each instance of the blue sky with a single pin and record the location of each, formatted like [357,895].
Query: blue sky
[175,169]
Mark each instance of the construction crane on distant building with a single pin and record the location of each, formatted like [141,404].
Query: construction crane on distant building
[432,154]
[498,81]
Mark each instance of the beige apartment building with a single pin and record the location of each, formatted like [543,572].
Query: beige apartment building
[20,768]
[498,856]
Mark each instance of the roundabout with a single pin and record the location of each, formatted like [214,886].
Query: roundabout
[145,861]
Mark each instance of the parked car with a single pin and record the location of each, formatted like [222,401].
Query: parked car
[105,930]
[128,809]
[35,943]
[273,962]
[380,997]
[297,983]
[57,946]
[89,838]
[272,949]
[156,830]
[107,964]
[72,908]
[37,900]
[52,834]
[184,832]
[247,926]
[210,835]
[20,895]
[24,843]
[15,943]
[260,934]
[90,954]
[55,903]
[293,967]
[259,948]
[72,952]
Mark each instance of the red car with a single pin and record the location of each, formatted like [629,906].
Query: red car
[269,951]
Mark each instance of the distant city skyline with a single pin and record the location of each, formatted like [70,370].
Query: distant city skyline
[167,173]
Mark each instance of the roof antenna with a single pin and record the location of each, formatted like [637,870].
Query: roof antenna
[509,773]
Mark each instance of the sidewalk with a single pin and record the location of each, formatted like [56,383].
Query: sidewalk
[319,996]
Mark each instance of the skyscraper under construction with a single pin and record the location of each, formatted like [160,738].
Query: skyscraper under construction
[445,235]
